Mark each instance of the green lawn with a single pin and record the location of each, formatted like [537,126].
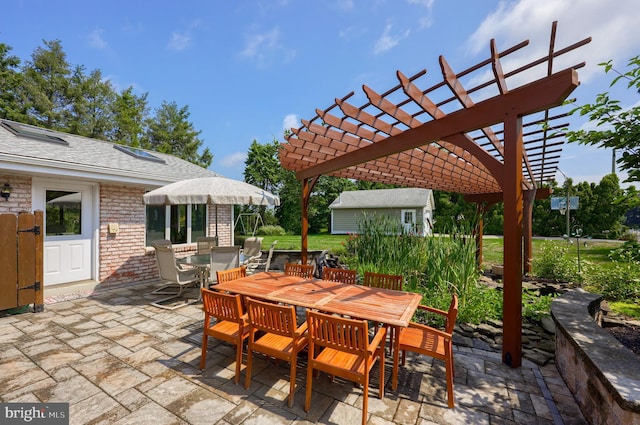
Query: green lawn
[591,250]
[594,251]
[324,241]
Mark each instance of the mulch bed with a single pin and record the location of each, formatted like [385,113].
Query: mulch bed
[628,335]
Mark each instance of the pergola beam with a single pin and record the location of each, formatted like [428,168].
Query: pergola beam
[534,97]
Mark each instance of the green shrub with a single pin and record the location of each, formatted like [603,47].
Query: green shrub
[271,230]
[536,306]
[628,250]
[618,282]
[553,262]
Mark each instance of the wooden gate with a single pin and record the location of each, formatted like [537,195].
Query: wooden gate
[21,262]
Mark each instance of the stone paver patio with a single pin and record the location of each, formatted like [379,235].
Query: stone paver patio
[117,360]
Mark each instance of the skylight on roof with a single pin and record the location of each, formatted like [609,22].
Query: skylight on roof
[33,133]
[139,153]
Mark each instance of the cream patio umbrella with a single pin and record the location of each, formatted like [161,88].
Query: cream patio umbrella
[215,190]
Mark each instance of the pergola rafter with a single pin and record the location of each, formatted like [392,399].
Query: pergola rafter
[494,147]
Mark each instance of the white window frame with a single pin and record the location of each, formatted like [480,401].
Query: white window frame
[167,223]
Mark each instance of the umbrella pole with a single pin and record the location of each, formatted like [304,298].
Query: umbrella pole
[216,220]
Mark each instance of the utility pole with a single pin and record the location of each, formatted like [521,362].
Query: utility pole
[568,204]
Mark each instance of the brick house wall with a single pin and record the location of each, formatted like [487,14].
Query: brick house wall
[123,255]
[225,225]
[20,199]
[124,258]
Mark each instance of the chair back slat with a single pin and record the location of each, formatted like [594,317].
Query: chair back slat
[339,333]
[340,275]
[272,318]
[222,306]
[385,281]
[223,276]
[452,314]
[301,270]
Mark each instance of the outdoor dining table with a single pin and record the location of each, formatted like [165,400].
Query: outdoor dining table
[387,306]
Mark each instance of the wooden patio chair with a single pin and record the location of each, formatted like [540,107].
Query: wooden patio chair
[340,275]
[380,280]
[301,270]
[280,337]
[231,323]
[171,274]
[205,243]
[385,281]
[231,274]
[429,341]
[346,352]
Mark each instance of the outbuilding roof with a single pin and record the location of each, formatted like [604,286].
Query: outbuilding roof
[87,158]
[384,198]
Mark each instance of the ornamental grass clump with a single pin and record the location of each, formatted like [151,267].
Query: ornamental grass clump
[436,266]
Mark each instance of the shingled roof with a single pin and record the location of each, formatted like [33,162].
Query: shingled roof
[384,198]
[87,158]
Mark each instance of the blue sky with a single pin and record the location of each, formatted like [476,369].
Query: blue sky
[249,69]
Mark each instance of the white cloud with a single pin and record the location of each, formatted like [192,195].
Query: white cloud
[290,121]
[179,41]
[266,48]
[233,160]
[613,28]
[96,39]
[345,4]
[425,21]
[388,41]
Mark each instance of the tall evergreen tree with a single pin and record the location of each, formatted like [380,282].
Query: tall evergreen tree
[171,132]
[10,82]
[46,86]
[129,115]
[91,112]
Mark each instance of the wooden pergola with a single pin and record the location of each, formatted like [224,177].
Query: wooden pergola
[503,146]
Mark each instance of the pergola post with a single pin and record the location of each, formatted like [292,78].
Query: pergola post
[479,233]
[304,229]
[529,198]
[512,256]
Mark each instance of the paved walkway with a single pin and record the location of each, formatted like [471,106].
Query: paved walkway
[117,360]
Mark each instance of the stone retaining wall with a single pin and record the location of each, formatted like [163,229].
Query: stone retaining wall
[602,374]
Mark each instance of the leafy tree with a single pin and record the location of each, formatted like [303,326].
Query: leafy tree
[289,212]
[451,209]
[46,86]
[171,132]
[262,168]
[324,193]
[91,112]
[10,82]
[129,114]
[603,206]
[618,128]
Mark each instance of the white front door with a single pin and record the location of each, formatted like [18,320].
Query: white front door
[69,230]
